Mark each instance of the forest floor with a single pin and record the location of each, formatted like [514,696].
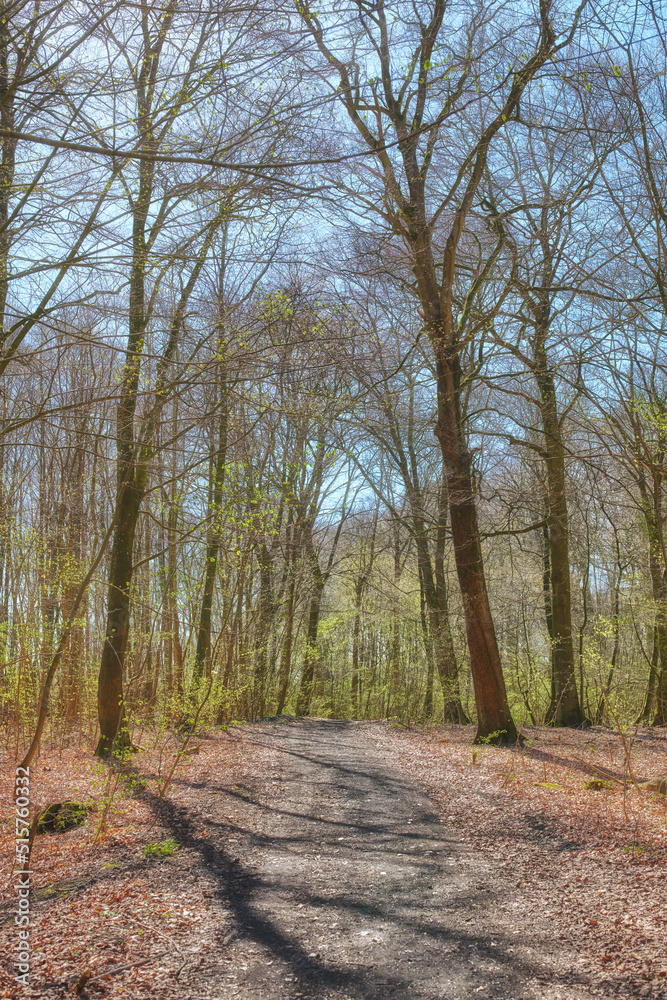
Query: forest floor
[350,861]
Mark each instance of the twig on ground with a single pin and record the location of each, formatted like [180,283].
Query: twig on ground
[124,968]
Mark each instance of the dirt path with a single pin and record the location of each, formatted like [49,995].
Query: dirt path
[334,878]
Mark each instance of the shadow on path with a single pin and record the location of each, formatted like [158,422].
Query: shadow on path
[344,884]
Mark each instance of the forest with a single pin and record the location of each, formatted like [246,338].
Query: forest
[333,364]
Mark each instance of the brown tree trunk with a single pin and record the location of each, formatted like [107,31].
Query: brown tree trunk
[394,687]
[494,719]
[110,704]
[217,467]
[286,660]
[428,647]
[235,627]
[566,708]
[311,656]
[548,618]
[657,684]
[660,647]
[453,709]
[174,651]
[5,561]
[356,631]
[73,655]
[265,618]
[440,647]
[286,657]
[320,576]
[409,209]
[604,697]
[440,638]
[646,713]
[129,478]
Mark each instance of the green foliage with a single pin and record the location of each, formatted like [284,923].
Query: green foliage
[62,816]
[160,849]
[597,785]
[637,848]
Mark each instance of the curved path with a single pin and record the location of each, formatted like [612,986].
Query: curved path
[335,879]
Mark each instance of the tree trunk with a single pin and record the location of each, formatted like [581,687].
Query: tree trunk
[566,709]
[265,618]
[286,658]
[438,636]
[428,647]
[410,209]
[5,560]
[218,460]
[394,691]
[453,709]
[546,596]
[135,449]
[175,651]
[657,687]
[73,654]
[110,704]
[129,485]
[494,719]
[235,628]
[320,576]
[646,713]
[311,655]
[356,631]
[660,634]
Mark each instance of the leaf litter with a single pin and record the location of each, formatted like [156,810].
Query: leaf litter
[588,863]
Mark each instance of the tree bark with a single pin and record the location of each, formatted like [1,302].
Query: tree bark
[174,649]
[286,655]
[566,709]
[604,697]
[657,687]
[311,656]
[428,647]
[217,466]
[394,692]
[494,719]
[74,652]
[453,708]
[659,690]
[110,704]
[320,576]
[265,617]
[356,632]
[433,584]
[286,659]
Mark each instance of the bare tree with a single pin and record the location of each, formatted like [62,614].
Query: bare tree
[427,74]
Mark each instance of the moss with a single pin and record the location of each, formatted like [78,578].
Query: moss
[597,785]
[61,816]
